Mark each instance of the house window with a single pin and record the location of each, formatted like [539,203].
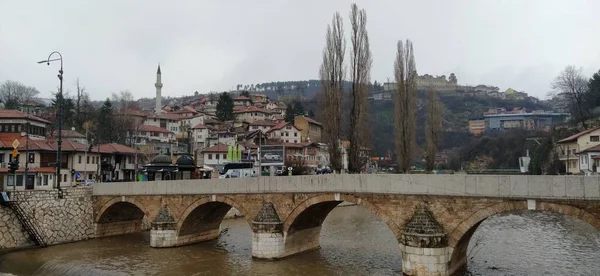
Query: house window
[295,134]
[79,159]
[224,156]
[10,181]
[45,180]
[209,156]
[595,138]
[64,178]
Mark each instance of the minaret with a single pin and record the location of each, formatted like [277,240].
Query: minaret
[158,86]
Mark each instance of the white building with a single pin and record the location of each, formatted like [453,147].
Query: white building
[252,114]
[285,132]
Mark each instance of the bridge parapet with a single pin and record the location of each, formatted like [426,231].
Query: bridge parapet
[500,186]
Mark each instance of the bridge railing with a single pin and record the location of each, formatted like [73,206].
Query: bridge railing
[512,186]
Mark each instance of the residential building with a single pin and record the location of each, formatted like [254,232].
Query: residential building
[242,101]
[221,137]
[200,134]
[117,162]
[68,134]
[570,147]
[285,132]
[14,121]
[304,154]
[259,98]
[589,160]
[251,114]
[158,138]
[215,156]
[311,130]
[263,125]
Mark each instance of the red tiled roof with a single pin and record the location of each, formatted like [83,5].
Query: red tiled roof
[168,116]
[216,148]
[150,128]
[591,149]
[185,109]
[16,114]
[199,126]
[281,125]
[252,109]
[113,148]
[575,136]
[311,120]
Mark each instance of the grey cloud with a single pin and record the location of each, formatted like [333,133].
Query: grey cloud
[214,45]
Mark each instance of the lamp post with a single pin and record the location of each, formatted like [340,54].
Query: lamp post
[60,111]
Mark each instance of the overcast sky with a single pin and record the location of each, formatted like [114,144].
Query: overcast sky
[204,46]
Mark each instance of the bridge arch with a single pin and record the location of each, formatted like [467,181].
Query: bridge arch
[201,220]
[461,235]
[120,216]
[302,226]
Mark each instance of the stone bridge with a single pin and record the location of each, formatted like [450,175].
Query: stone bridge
[432,216]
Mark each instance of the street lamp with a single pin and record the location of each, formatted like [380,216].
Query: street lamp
[60,111]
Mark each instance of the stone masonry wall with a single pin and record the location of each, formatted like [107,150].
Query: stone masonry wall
[59,220]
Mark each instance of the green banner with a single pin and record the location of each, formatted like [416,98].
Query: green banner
[229,153]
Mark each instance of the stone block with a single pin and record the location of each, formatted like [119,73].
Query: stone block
[518,186]
[454,184]
[540,186]
[574,187]
[559,186]
[591,188]
[487,185]
[471,185]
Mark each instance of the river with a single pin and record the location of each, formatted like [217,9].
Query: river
[353,242]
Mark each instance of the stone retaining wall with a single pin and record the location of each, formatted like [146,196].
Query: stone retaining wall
[59,220]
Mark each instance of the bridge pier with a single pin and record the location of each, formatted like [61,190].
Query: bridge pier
[424,246]
[163,231]
[267,234]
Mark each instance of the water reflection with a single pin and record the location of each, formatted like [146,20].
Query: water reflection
[353,241]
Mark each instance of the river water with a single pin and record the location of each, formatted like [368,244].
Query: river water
[353,241]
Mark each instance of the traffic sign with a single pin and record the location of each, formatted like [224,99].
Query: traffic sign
[15,143]
[15,153]
[77,175]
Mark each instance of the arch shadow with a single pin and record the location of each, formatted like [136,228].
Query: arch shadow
[302,227]
[461,235]
[118,217]
[201,220]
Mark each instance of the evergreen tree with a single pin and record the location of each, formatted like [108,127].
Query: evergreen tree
[225,107]
[105,122]
[298,108]
[245,94]
[290,113]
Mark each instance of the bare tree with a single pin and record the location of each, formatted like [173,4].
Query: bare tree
[405,109]
[332,75]
[361,62]
[81,97]
[571,85]
[14,93]
[433,129]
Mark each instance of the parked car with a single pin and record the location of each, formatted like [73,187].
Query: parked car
[87,182]
[271,156]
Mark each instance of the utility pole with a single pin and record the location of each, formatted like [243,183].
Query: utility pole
[26,149]
[60,113]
